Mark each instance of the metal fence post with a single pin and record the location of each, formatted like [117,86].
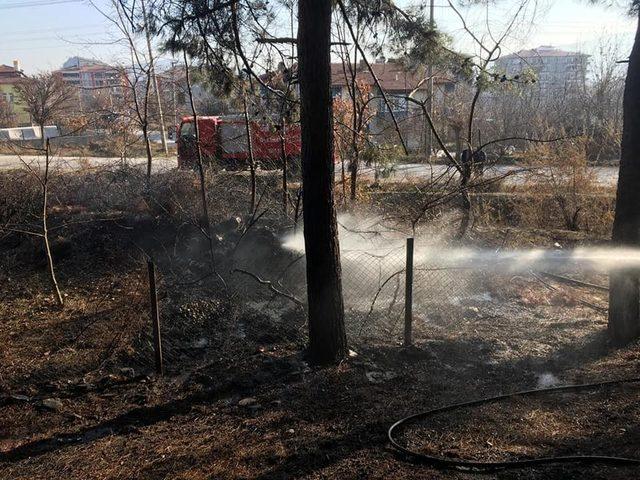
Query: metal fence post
[155,317]
[408,295]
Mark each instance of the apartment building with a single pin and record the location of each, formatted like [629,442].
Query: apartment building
[92,77]
[556,70]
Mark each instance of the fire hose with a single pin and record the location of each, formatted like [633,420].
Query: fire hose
[472,466]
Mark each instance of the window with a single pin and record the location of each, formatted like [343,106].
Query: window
[187,130]
[398,103]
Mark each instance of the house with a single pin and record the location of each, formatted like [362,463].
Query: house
[9,77]
[398,82]
[557,71]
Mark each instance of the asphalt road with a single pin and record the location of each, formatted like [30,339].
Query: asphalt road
[404,172]
[512,174]
[10,162]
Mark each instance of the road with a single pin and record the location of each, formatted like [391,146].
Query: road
[10,162]
[513,174]
[404,172]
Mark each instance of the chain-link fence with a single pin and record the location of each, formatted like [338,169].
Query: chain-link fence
[266,277]
[375,292]
[443,293]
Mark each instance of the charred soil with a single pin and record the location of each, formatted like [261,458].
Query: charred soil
[79,400]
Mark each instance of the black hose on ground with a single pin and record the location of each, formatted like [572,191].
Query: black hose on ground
[479,466]
[593,306]
[574,282]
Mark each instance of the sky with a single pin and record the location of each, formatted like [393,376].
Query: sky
[42,34]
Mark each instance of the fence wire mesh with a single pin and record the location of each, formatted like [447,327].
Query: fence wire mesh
[373,284]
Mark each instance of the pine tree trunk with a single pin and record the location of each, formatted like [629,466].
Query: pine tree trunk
[624,291]
[285,166]
[327,338]
[353,168]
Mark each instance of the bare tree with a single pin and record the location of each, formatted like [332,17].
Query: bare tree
[43,176]
[205,221]
[245,108]
[44,181]
[46,96]
[139,74]
[603,102]
[154,78]
[7,117]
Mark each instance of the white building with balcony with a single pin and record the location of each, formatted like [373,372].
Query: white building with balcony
[556,71]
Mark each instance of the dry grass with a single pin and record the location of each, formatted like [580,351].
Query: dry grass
[102,148]
[563,191]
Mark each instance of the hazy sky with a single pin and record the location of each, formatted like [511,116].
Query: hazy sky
[44,33]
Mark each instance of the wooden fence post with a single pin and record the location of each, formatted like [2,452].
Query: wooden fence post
[155,317]
[408,296]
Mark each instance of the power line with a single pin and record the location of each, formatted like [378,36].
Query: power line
[62,37]
[35,3]
[52,29]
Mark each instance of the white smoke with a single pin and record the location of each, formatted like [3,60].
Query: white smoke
[373,236]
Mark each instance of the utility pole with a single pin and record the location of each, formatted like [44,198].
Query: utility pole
[154,79]
[428,147]
[293,45]
[173,82]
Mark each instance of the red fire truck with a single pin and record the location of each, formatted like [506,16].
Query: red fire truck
[223,140]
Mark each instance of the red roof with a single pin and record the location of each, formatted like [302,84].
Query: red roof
[9,75]
[393,76]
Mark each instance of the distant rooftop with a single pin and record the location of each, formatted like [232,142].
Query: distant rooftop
[8,69]
[9,74]
[544,51]
[80,62]
[392,76]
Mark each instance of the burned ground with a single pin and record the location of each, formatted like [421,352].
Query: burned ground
[79,399]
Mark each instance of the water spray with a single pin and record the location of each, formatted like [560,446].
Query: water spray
[370,237]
